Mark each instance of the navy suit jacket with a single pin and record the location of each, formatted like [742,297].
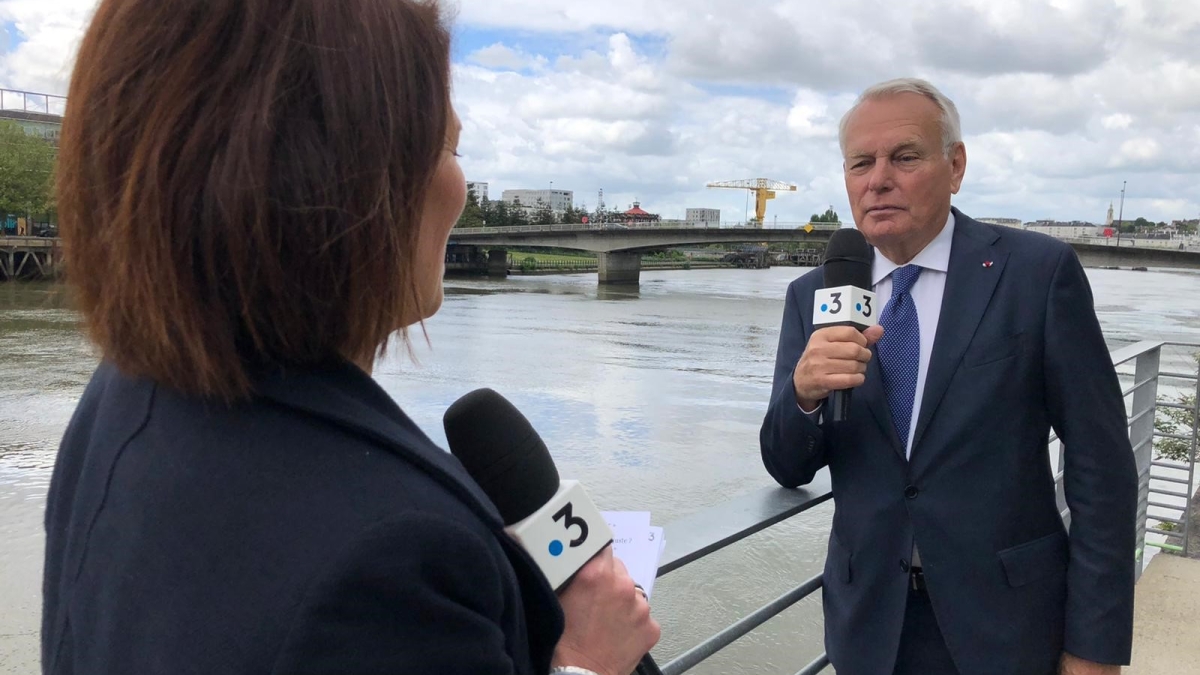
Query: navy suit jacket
[1018,352]
[314,529]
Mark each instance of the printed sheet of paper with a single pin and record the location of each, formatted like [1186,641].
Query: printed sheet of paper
[638,544]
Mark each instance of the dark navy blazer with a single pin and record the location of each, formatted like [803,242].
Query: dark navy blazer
[1018,352]
[312,530]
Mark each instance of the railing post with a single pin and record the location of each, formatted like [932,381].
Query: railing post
[1141,437]
[1187,502]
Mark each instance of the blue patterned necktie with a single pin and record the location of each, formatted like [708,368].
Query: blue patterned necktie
[900,349]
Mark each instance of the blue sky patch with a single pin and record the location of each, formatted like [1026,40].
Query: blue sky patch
[10,37]
[469,39]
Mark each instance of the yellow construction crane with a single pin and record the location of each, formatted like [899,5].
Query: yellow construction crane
[763,189]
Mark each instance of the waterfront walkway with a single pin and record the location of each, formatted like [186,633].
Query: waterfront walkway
[1166,623]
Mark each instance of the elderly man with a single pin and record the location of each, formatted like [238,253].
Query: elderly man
[948,553]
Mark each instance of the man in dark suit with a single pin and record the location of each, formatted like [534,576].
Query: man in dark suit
[948,553]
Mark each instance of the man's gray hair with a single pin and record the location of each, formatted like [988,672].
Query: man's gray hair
[950,124]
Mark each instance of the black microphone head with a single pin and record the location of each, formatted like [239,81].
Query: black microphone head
[502,452]
[848,260]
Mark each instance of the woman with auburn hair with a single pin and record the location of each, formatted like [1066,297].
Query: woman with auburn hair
[255,196]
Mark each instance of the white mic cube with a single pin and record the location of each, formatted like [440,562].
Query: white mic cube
[564,534]
[845,306]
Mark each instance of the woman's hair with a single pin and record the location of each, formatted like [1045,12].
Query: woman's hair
[241,182]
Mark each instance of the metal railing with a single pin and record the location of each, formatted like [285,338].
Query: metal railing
[32,102]
[715,528]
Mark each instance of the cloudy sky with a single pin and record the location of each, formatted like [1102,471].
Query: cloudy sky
[1061,100]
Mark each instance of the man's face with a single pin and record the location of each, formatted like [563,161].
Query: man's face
[898,178]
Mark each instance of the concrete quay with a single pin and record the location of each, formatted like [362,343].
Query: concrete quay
[1166,618]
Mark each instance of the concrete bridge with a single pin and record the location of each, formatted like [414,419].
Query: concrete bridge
[620,247]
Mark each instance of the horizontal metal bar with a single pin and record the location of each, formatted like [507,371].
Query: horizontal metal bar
[818,664]
[1166,547]
[1174,406]
[1177,437]
[716,527]
[1131,352]
[1133,420]
[1168,493]
[1178,376]
[1139,385]
[1173,507]
[1163,519]
[1169,465]
[1184,344]
[1180,481]
[716,643]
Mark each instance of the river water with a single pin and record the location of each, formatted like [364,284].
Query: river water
[654,397]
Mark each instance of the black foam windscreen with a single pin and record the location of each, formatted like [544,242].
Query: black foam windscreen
[848,260]
[502,452]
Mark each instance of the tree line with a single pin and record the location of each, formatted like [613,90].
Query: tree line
[26,172]
[493,213]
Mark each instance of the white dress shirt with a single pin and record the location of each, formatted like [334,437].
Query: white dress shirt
[927,294]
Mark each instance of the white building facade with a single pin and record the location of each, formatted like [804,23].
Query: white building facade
[703,217]
[1073,230]
[558,200]
[480,190]
[1006,222]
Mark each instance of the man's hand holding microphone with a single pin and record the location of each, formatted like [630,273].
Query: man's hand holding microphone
[844,318]
[835,359]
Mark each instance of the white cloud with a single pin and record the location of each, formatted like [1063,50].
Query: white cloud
[500,56]
[1061,100]
[1116,121]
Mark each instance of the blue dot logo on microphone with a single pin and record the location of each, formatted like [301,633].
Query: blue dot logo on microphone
[824,308]
[556,548]
[859,306]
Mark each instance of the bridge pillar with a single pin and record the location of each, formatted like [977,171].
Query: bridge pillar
[498,263]
[620,268]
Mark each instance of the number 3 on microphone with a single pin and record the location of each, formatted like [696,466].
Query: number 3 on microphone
[572,521]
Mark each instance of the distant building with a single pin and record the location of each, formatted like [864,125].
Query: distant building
[703,217]
[480,190]
[531,200]
[1006,222]
[1108,221]
[1075,229]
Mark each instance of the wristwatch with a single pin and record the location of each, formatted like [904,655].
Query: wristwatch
[571,670]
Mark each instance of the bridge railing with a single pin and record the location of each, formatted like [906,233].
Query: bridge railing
[659,225]
[33,102]
[717,527]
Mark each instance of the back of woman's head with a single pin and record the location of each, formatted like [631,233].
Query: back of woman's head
[241,181]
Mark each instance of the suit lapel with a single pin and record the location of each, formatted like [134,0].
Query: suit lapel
[974,271]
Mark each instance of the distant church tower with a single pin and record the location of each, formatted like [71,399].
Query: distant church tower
[1109,221]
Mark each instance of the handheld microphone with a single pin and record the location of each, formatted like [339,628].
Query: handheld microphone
[847,298]
[554,521]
